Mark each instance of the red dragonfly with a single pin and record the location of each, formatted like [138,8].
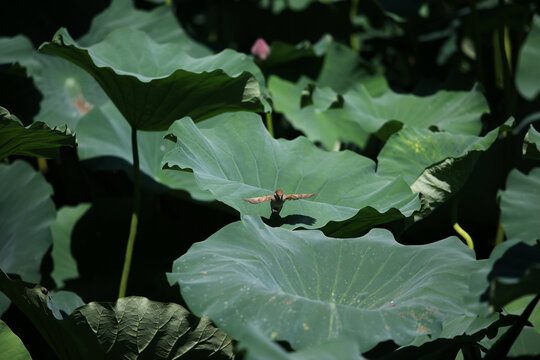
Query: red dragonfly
[277,200]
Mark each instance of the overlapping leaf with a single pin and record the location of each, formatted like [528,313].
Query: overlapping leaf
[237,159]
[165,82]
[527,71]
[362,111]
[520,206]
[315,288]
[102,132]
[131,328]
[35,140]
[26,212]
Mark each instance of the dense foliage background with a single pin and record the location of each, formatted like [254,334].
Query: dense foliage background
[413,121]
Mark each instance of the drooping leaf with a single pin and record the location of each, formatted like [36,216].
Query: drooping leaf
[520,205]
[64,265]
[102,132]
[237,158]
[35,140]
[166,83]
[527,71]
[260,347]
[315,288]
[131,328]
[11,345]
[434,164]
[26,212]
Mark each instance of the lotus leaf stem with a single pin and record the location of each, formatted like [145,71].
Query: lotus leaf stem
[269,123]
[134,215]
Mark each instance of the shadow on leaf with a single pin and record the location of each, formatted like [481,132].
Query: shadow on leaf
[276,220]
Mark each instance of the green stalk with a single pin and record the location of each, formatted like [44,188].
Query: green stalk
[134,215]
[270,124]
[457,228]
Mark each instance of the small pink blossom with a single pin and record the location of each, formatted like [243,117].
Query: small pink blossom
[260,49]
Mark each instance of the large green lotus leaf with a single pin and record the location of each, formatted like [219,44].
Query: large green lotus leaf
[131,328]
[457,112]
[306,288]
[103,132]
[26,212]
[520,205]
[165,82]
[237,159]
[11,345]
[65,266]
[531,144]
[260,347]
[160,24]
[35,140]
[527,71]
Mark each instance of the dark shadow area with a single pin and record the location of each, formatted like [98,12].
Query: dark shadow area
[276,220]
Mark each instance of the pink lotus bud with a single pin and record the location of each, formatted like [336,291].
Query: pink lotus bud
[260,49]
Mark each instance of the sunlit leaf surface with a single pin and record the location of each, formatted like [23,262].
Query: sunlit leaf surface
[316,288]
[237,158]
